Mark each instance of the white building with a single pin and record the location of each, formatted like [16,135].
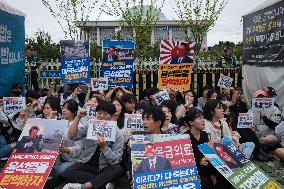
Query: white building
[163,29]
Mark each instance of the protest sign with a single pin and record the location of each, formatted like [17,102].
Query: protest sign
[176,52]
[225,81]
[13,104]
[75,61]
[263,103]
[245,120]
[234,166]
[118,62]
[175,76]
[41,101]
[133,122]
[99,84]
[50,74]
[161,96]
[91,109]
[105,129]
[35,153]
[174,165]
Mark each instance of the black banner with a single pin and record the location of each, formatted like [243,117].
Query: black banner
[263,36]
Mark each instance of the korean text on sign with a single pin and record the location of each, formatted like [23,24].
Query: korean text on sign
[225,81]
[91,109]
[133,122]
[263,103]
[175,76]
[245,120]
[13,104]
[102,128]
[99,84]
[161,96]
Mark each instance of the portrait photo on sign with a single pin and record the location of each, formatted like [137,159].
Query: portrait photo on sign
[114,50]
[71,49]
[41,135]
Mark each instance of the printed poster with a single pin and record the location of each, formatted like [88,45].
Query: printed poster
[36,151]
[14,104]
[105,129]
[176,52]
[235,167]
[163,161]
[175,76]
[117,62]
[75,61]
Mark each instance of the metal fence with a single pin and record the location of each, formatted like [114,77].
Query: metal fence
[146,75]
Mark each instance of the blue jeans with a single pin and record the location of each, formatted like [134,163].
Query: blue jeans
[248,148]
[5,148]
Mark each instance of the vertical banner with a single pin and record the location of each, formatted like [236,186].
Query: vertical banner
[118,57]
[13,104]
[175,76]
[176,52]
[234,166]
[105,129]
[75,61]
[35,153]
[12,50]
[163,161]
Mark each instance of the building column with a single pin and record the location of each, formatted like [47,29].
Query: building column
[170,33]
[98,36]
[153,37]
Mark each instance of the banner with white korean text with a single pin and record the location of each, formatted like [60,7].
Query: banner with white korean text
[34,155]
[12,49]
[235,167]
[75,61]
[118,57]
[163,161]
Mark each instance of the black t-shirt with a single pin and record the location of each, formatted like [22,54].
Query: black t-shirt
[240,107]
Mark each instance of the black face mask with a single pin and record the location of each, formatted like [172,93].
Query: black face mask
[16,93]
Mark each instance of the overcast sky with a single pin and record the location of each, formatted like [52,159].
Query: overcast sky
[227,28]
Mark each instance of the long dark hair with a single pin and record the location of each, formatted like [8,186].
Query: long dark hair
[72,106]
[209,108]
[190,116]
[171,105]
[120,121]
[54,103]
[195,101]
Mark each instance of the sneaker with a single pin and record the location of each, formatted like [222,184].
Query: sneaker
[73,186]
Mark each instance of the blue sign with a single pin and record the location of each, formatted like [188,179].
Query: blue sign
[12,51]
[50,74]
[75,62]
[117,61]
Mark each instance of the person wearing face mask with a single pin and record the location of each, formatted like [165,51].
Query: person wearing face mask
[190,100]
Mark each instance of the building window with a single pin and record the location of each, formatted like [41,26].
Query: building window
[160,34]
[107,33]
[178,34]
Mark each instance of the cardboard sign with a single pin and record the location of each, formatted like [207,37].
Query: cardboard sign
[245,120]
[105,129]
[35,153]
[99,84]
[234,166]
[13,104]
[133,122]
[175,164]
[225,81]
[91,110]
[263,103]
[175,76]
[161,96]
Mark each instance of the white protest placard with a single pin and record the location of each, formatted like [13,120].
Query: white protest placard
[99,83]
[91,109]
[61,99]
[13,104]
[105,129]
[225,81]
[40,101]
[245,120]
[263,103]
[133,122]
[161,96]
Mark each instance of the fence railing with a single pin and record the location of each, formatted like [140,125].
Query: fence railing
[146,75]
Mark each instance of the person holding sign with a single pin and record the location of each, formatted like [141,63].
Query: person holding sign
[100,165]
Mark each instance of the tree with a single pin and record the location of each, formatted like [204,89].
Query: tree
[43,47]
[66,12]
[200,16]
[136,19]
